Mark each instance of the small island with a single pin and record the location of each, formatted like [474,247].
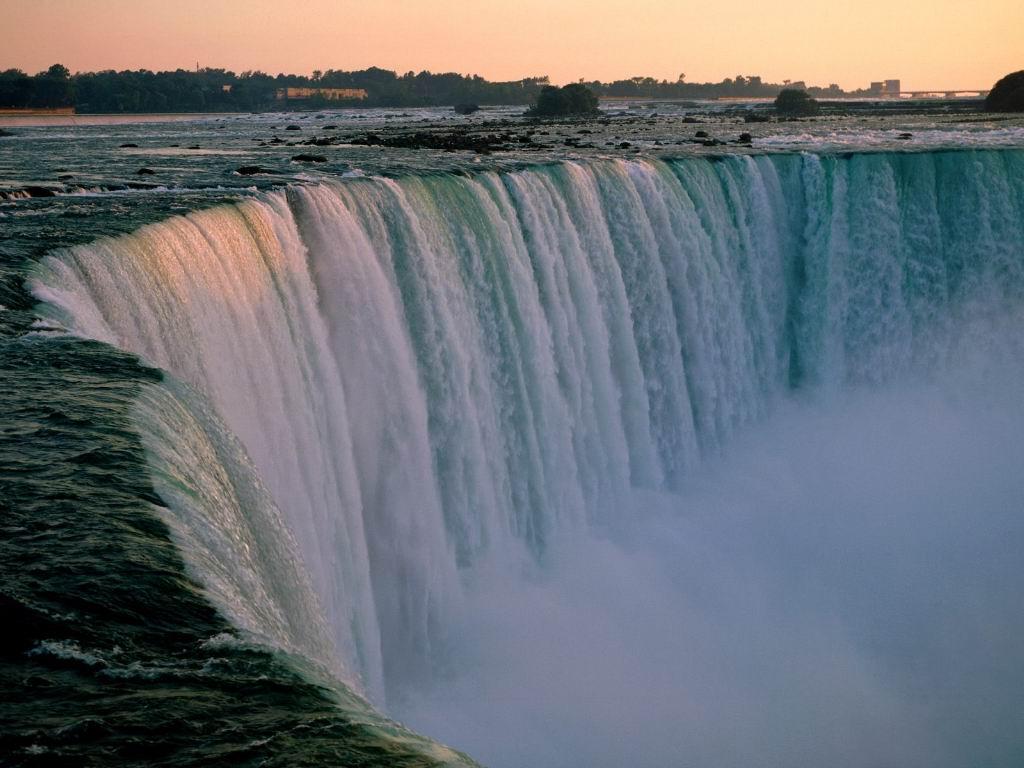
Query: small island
[573,100]
[796,103]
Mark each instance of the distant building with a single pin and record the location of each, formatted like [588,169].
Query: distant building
[226,88]
[330,94]
[885,88]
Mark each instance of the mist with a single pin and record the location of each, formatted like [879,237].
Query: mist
[842,587]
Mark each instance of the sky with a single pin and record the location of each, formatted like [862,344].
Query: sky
[940,44]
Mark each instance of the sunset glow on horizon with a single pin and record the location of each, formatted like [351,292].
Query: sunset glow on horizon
[937,44]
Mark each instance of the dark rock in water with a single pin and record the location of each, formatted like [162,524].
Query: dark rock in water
[293,128]
[309,158]
[65,177]
[276,140]
[905,136]
[624,145]
[140,185]
[466,109]
[1007,95]
[145,172]
[745,138]
[690,120]
[195,146]
[5,133]
[251,170]
[129,145]
[330,127]
[33,191]
[701,134]
[754,117]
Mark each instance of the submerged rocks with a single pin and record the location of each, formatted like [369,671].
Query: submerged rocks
[293,128]
[35,191]
[466,109]
[145,172]
[304,158]
[129,145]
[251,170]
[450,142]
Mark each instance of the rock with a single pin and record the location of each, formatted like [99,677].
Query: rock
[33,191]
[195,146]
[330,127]
[5,133]
[1007,95]
[466,109]
[905,136]
[293,128]
[145,172]
[129,145]
[251,170]
[755,117]
[690,120]
[701,134]
[624,145]
[745,138]
[303,158]
[65,177]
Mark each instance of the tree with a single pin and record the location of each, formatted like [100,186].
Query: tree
[58,72]
[1007,95]
[794,103]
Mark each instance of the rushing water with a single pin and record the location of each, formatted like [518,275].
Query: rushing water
[510,454]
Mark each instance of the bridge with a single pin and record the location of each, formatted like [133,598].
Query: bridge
[939,92]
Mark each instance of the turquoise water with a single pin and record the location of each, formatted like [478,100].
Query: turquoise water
[327,447]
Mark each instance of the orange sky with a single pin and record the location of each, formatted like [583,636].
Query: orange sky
[926,43]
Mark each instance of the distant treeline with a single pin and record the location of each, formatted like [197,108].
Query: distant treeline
[219,90]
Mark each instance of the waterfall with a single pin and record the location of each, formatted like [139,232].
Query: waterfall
[376,384]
